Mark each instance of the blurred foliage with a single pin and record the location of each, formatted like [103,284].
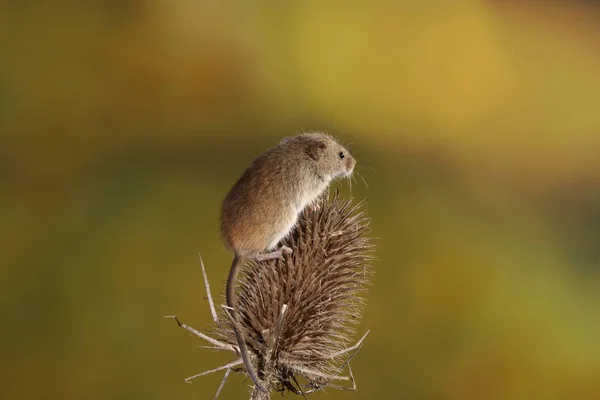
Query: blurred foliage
[476,128]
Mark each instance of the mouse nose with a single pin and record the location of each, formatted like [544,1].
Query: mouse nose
[350,164]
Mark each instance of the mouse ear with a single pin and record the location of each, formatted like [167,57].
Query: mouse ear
[285,140]
[315,149]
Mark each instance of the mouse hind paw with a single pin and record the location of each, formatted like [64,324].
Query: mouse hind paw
[277,254]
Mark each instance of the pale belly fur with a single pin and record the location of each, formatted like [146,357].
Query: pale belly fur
[295,210]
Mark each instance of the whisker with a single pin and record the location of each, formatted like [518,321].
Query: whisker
[363,179]
[369,167]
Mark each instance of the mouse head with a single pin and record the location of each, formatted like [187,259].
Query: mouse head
[331,160]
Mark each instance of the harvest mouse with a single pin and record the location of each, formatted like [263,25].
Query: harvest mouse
[263,205]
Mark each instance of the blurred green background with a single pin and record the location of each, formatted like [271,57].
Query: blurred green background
[476,126]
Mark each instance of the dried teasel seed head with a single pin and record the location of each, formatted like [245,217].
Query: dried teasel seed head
[298,314]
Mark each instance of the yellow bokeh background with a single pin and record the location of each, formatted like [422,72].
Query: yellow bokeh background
[476,126]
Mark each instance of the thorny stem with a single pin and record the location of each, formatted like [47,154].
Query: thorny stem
[217,343]
[257,394]
[208,294]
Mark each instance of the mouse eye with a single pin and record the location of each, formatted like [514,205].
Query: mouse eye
[342,155]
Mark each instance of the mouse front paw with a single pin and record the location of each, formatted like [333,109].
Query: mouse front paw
[286,250]
[313,208]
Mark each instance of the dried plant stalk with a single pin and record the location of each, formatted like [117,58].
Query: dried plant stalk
[298,314]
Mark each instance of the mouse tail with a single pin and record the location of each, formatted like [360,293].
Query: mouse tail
[230,298]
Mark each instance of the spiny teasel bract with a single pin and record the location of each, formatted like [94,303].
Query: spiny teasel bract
[298,314]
